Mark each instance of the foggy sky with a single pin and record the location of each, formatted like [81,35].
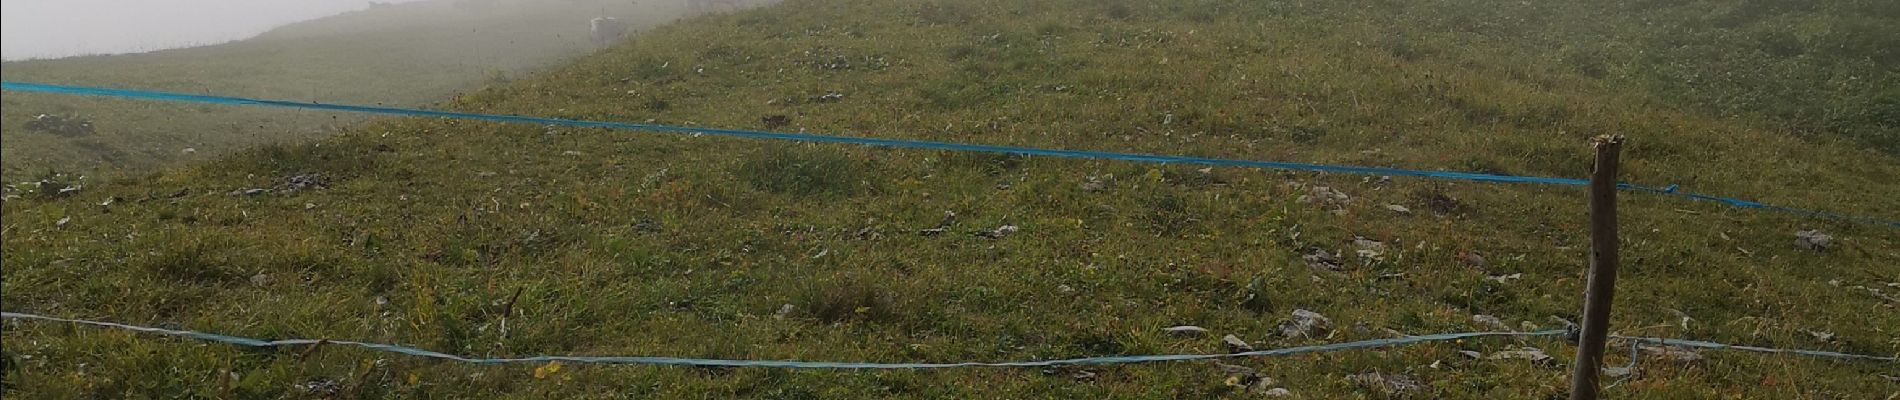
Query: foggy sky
[59,28]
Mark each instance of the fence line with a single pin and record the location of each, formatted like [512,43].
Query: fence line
[1670,190]
[706,362]
[1724,346]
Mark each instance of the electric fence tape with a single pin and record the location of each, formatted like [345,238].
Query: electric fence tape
[706,362]
[1671,190]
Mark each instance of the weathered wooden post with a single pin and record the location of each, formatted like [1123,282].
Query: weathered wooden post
[1602,283]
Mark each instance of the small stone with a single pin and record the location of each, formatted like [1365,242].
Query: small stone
[1307,324]
[784,311]
[188,150]
[1812,240]
[1185,330]
[1277,392]
[1370,249]
[305,181]
[1673,353]
[1472,354]
[572,153]
[999,232]
[1504,278]
[1244,377]
[1325,195]
[1235,345]
[1398,209]
[1618,372]
[260,279]
[1320,258]
[1821,335]
[1390,384]
[1094,184]
[1527,353]
[322,387]
[62,221]
[1231,369]
[1490,321]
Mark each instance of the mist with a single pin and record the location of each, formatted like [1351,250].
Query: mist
[36,29]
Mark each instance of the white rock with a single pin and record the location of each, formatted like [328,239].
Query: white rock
[1528,353]
[1235,345]
[1305,323]
[1821,335]
[260,279]
[1490,321]
[1185,330]
[1812,240]
[1391,384]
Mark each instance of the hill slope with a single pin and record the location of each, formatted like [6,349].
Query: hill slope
[410,54]
[424,231]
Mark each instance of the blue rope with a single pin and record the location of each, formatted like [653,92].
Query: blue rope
[1671,190]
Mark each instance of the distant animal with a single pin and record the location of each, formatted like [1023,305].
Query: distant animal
[606,30]
[704,6]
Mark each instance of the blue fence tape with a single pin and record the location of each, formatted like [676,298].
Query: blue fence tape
[1670,190]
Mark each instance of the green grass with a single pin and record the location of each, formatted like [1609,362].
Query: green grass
[626,243]
[412,55]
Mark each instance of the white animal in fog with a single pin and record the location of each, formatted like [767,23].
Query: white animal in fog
[606,30]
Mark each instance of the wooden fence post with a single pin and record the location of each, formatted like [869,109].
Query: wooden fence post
[1602,283]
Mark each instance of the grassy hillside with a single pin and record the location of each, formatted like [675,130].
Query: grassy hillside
[589,242]
[411,54]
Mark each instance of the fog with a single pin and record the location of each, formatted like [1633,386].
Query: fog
[61,28]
